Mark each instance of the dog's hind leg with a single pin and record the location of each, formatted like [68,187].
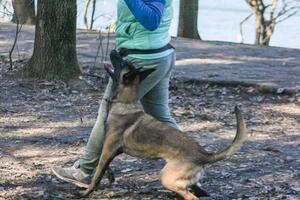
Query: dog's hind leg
[197,190]
[111,148]
[172,177]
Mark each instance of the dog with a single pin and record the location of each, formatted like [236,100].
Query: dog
[130,130]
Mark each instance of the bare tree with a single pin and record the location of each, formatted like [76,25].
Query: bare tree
[241,27]
[18,30]
[85,12]
[6,12]
[54,55]
[23,11]
[268,15]
[93,14]
[188,19]
[5,9]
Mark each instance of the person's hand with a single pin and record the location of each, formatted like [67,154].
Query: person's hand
[109,68]
[108,65]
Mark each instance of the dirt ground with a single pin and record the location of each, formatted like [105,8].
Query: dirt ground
[45,124]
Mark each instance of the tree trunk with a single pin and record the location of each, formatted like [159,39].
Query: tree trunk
[86,8]
[268,32]
[54,55]
[93,14]
[258,28]
[23,11]
[188,19]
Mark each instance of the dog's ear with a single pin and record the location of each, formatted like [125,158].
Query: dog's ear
[144,74]
[116,61]
[131,75]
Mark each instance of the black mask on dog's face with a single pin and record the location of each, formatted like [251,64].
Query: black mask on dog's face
[125,77]
[117,63]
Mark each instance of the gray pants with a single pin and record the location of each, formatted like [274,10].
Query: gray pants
[153,94]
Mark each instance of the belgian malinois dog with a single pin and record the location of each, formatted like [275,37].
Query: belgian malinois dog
[130,130]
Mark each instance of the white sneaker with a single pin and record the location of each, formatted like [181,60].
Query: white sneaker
[73,175]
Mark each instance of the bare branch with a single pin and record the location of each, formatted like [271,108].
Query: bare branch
[107,45]
[86,8]
[241,26]
[6,11]
[93,14]
[18,30]
[100,48]
[7,14]
[288,16]
[274,6]
[261,5]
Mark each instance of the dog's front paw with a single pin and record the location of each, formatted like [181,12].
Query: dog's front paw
[110,176]
[86,193]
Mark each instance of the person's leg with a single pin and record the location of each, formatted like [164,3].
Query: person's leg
[155,99]
[154,93]
[93,149]
[80,173]
[154,90]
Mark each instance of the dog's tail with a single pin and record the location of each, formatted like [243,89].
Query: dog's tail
[240,137]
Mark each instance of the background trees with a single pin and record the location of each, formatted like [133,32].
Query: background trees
[188,19]
[268,14]
[54,55]
[23,11]
[85,15]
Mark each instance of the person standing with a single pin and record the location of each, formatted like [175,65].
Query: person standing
[142,37]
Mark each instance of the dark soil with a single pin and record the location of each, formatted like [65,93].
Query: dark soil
[45,124]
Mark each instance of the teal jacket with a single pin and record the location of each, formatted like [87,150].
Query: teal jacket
[131,34]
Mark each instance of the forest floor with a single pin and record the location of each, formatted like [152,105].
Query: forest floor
[45,124]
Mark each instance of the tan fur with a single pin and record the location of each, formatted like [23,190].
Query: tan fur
[130,130]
